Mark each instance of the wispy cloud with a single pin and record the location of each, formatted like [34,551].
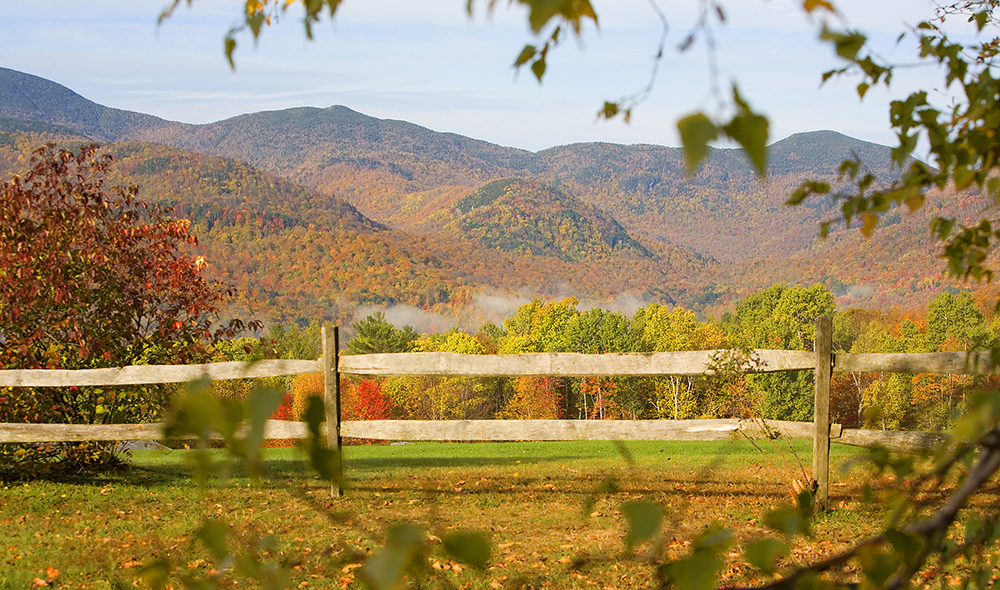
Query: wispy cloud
[427,63]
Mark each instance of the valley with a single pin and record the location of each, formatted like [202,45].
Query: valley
[319,214]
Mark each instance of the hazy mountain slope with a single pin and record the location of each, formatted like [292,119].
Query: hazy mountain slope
[302,250]
[899,265]
[303,140]
[382,166]
[199,181]
[9,127]
[821,152]
[23,96]
[294,254]
[723,210]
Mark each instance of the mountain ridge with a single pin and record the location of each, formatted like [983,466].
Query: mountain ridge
[28,97]
[695,233]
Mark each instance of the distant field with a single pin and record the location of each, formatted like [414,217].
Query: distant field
[527,497]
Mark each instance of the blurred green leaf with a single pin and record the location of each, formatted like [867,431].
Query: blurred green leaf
[812,5]
[806,190]
[541,12]
[787,520]
[469,547]
[229,48]
[326,462]
[608,485]
[846,44]
[715,539]
[877,565]
[610,110]
[385,570]
[750,130]
[696,131]
[981,19]
[155,573]
[644,519]
[908,546]
[255,21]
[198,413]
[764,553]
[538,68]
[213,534]
[315,415]
[262,403]
[526,54]
[698,572]
[573,12]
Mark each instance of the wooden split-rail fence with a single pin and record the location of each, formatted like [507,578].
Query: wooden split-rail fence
[822,361]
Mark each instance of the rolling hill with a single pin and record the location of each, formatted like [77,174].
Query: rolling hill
[30,98]
[385,167]
[313,212]
[522,217]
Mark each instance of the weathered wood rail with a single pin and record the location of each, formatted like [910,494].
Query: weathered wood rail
[556,364]
[822,361]
[156,374]
[484,430]
[452,430]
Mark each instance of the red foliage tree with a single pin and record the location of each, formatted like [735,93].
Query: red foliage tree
[365,399]
[93,277]
[285,411]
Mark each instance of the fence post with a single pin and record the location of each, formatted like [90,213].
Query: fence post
[821,413]
[331,399]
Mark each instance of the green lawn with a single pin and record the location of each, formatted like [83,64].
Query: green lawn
[527,497]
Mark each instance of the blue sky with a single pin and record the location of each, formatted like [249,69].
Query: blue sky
[427,62]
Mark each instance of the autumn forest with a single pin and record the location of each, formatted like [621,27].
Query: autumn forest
[414,240]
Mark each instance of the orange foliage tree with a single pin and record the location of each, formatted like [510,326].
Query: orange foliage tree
[302,388]
[535,398]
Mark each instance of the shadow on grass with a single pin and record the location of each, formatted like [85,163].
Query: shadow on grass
[280,471]
[404,463]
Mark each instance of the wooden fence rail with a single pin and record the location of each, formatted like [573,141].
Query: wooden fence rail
[557,364]
[534,364]
[482,430]
[156,374]
[453,430]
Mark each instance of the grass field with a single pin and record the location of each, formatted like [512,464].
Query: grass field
[528,498]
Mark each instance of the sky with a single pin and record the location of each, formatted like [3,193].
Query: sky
[430,63]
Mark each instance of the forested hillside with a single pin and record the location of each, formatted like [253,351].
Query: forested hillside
[527,218]
[385,167]
[295,255]
[311,212]
[30,98]
[723,210]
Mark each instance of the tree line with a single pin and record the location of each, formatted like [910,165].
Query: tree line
[779,317]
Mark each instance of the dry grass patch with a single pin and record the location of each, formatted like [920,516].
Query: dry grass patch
[528,498]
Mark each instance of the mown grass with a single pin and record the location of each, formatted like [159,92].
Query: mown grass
[527,497]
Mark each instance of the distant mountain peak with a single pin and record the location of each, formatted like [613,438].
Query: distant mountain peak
[820,153]
[31,98]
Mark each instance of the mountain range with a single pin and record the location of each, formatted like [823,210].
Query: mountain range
[314,213]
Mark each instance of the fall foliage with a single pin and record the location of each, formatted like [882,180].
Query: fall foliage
[93,277]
